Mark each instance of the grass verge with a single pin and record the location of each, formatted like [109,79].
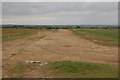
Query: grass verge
[74,69]
[104,37]
[17,35]
[11,34]
[18,70]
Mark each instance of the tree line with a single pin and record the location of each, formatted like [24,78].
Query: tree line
[58,27]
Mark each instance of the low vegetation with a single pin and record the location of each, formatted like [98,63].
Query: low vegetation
[18,70]
[74,69]
[107,37]
[10,34]
[60,26]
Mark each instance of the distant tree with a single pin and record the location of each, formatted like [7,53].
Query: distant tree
[77,26]
[105,27]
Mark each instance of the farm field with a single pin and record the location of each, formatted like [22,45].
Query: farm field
[62,53]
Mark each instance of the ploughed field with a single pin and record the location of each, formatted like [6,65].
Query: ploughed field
[62,53]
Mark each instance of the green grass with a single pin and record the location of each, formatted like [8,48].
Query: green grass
[18,35]
[74,69]
[22,34]
[107,37]
[19,68]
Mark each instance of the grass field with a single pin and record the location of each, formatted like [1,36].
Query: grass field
[74,69]
[107,37]
[69,69]
[9,34]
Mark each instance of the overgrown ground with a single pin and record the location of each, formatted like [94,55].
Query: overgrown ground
[74,69]
[65,69]
[68,55]
[11,34]
[106,37]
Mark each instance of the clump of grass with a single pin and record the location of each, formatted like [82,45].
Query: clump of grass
[13,54]
[74,69]
[19,68]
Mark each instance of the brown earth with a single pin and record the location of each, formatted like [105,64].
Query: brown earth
[57,46]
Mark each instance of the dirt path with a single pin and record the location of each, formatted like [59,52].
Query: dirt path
[64,45]
[12,48]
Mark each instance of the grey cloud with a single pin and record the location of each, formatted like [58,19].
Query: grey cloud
[60,12]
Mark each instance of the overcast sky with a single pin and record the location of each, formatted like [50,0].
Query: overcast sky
[45,13]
